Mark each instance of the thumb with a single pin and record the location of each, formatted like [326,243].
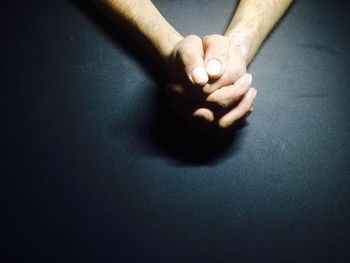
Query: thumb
[216,55]
[191,56]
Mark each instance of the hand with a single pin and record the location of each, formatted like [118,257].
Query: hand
[223,100]
[186,65]
[230,90]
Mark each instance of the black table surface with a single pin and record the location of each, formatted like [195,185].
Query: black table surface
[92,170]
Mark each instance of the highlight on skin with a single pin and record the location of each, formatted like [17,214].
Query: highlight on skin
[214,66]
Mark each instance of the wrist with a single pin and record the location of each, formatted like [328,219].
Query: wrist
[241,40]
[244,35]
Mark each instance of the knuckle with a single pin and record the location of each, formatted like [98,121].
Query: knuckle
[184,54]
[223,103]
[235,72]
[218,99]
[192,37]
[215,37]
[207,39]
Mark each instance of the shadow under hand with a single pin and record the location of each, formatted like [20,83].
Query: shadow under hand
[177,139]
[168,133]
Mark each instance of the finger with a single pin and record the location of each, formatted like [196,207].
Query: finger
[228,95]
[175,89]
[215,55]
[240,111]
[191,55]
[203,114]
[185,92]
[191,111]
[228,78]
[234,69]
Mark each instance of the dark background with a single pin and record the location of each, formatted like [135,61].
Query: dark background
[92,172]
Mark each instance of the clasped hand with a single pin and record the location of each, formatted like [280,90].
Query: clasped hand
[210,85]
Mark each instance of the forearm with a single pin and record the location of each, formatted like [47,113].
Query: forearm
[142,17]
[253,21]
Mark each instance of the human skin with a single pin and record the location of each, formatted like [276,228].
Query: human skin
[209,79]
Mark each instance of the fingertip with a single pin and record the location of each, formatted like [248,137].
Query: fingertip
[204,114]
[199,75]
[250,78]
[213,67]
[254,92]
[224,124]
[175,89]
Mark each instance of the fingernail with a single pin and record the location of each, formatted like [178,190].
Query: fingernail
[249,113]
[254,93]
[213,67]
[199,75]
[250,78]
